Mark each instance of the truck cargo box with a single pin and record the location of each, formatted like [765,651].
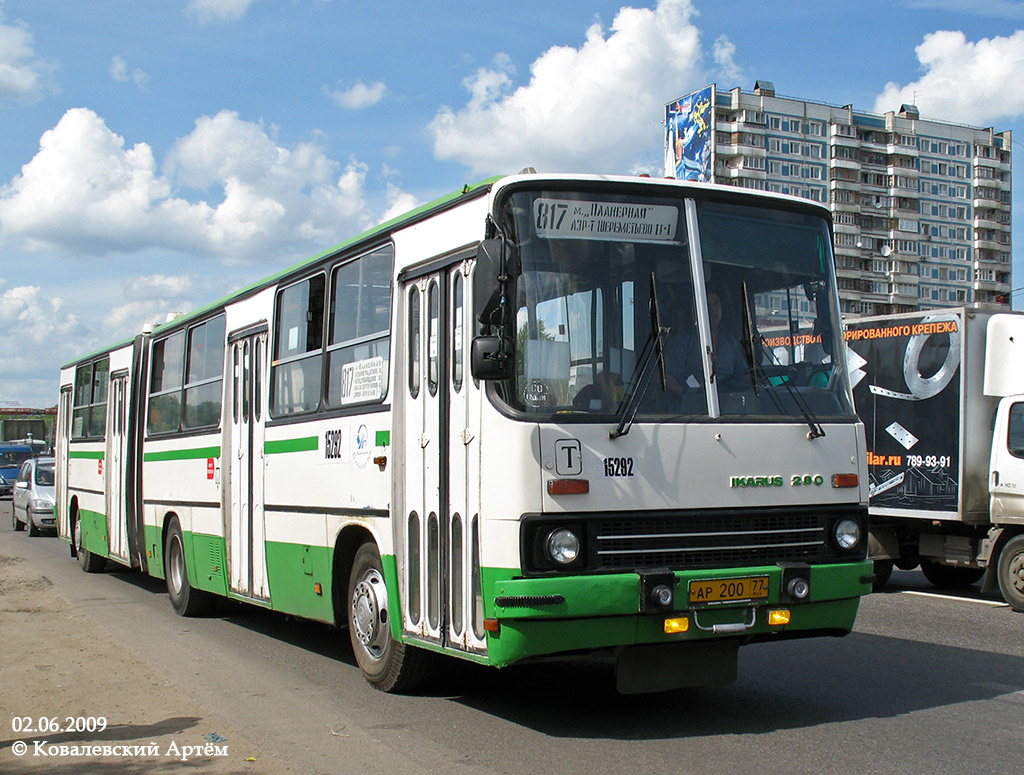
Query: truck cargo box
[918,387]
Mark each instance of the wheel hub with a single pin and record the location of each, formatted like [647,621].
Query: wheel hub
[1017,572]
[370,613]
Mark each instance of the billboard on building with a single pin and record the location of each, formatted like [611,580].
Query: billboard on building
[690,136]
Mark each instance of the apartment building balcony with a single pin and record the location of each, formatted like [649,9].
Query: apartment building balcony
[839,184]
[991,244]
[999,185]
[907,193]
[735,173]
[844,164]
[895,149]
[987,202]
[994,163]
[992,219]
[907,172]
[991,286]
[739,149]
[901,295]
[845,207]
[739,125]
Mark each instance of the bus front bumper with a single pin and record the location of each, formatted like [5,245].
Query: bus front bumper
[556,615]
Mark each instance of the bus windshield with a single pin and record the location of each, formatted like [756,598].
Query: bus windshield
[747,306]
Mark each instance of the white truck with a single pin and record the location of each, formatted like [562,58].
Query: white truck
[941,395]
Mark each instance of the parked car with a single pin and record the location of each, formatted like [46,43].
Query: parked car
[34,496]
[11,458]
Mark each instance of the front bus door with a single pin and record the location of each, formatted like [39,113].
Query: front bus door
[243,461]
[438,533]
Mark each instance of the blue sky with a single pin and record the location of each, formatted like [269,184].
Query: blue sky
[156,155]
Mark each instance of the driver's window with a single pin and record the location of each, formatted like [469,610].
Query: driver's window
[1015,435]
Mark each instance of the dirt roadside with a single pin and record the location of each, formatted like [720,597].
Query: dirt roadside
[58,667]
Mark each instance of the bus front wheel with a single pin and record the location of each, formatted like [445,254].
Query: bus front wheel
[387,664]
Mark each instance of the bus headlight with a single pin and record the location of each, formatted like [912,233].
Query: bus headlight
[847,534]
[562,546]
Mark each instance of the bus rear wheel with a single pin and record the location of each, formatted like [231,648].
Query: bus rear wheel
[91,563]
[387,664]
[185,599]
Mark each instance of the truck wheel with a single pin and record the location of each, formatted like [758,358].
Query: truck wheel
[1011,573]
[949,576]
[387,664]
[883,570]
[185,599]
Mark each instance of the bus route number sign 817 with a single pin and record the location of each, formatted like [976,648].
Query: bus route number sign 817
[618,221]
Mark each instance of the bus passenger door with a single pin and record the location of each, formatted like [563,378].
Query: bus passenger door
[436,529]
[62,469]
[243,465]
[116,456]
[464,608]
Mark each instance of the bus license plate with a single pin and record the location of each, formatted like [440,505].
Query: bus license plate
[727,590]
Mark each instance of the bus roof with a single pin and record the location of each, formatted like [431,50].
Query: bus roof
[442,203]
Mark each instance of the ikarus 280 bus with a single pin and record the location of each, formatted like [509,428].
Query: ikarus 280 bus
[545,415]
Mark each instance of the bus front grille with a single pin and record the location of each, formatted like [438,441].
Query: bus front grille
[622,541]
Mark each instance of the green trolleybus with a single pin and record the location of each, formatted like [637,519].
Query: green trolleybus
[545,415]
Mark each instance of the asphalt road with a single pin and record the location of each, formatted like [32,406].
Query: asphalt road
[927,684]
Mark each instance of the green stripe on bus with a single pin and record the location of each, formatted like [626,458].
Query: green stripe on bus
[86,455]
[281,446]
[182,454]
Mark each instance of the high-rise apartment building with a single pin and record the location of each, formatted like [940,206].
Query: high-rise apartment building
[921,207]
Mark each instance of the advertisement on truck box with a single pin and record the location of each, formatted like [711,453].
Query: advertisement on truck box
[907,388]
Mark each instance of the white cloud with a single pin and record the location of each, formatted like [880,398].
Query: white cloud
[23,76]
[87,192]
[360,96]
[210,11]
[158,286]
[964,82]
[119,72]
[399,202]
[38,333]
[595,108]
[724,50]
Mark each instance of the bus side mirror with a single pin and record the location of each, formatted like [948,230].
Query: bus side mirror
[486,287]
[488,360]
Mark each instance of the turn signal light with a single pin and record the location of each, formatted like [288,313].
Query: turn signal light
[568,486]
[681,624]
[845,480]
[492,626]
[779,616]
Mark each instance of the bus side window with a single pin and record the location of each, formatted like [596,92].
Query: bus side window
[298,348]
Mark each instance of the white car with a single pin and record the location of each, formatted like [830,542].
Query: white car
[33,499]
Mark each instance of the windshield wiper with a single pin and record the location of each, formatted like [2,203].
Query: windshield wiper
[752,343]
[654,347]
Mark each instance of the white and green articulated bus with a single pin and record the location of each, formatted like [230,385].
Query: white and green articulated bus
[547,415]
